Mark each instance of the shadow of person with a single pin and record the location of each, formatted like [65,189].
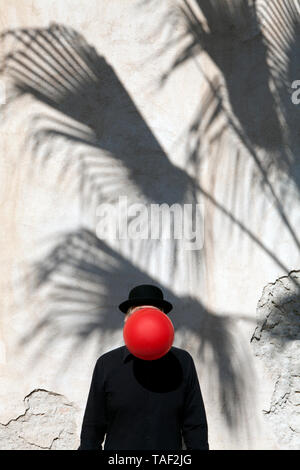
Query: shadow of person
[160,375]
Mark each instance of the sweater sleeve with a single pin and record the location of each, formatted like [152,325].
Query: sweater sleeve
[194,426]
[94,421]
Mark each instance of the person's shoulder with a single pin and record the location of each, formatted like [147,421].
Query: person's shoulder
[112,354]
[181,353]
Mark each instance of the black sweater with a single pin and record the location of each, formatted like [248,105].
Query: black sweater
[144,405]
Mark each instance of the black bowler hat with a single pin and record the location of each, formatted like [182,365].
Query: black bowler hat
[146,294]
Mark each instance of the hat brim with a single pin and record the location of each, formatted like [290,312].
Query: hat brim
[167,306]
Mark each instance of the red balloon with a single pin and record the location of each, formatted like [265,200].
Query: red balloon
[148,333]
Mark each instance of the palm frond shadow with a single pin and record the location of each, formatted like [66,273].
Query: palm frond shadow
[250,52]
[109,147]
[58,68]
[82,280]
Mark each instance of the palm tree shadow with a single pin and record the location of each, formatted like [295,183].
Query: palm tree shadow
[105,131]
[82,280]
[112,149]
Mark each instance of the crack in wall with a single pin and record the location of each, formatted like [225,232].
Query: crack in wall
[48,422]
[276,341]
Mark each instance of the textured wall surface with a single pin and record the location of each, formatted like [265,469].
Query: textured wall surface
[48,422]
[276,341]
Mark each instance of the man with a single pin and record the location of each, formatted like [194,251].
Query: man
[144,405]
